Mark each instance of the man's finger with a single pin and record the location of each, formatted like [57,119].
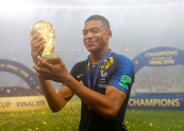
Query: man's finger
[41,48]
[35,55]
[55,60]
[34,42]
[57,57]
[44,63]
[41,70]
[36,73]
[39,43]
[34,37]
[35,67]
[41,76]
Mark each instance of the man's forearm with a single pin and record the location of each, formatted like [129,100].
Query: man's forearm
[50,95]
[93,99]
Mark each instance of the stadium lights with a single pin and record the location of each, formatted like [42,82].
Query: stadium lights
[107,7]
[18,6]
[14,7]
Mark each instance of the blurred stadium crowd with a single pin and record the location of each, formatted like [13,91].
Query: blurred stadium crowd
[159,80]
[148,79]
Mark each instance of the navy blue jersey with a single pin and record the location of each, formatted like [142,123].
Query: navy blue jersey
[114,70]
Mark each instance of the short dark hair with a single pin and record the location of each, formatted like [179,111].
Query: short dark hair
[100,18]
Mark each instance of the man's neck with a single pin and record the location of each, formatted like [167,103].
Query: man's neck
[97,56]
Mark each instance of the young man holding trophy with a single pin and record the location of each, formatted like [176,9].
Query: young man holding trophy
[103,81]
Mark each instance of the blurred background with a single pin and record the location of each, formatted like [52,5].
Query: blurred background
[137,26]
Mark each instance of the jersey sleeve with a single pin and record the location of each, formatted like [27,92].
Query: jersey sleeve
[123,77]
[78,70]
[75,70]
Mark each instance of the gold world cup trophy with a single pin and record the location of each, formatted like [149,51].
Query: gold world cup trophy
[48,33]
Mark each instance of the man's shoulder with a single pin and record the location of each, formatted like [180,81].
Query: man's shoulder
[80,64]
[79,68]
[121,58]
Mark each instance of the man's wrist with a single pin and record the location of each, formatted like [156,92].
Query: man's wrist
[67,79]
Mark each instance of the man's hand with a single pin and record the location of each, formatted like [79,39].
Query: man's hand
[37,46]
[51,69]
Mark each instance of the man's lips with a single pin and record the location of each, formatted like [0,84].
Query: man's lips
[90,43]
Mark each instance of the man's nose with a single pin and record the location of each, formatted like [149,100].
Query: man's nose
[89,35]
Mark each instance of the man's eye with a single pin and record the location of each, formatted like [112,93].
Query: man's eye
[84,32]
[95,30]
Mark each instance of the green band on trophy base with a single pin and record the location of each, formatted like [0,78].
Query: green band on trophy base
[47,56]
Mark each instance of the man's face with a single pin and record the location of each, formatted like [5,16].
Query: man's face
[95,35]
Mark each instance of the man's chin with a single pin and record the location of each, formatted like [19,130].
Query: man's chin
[91,49]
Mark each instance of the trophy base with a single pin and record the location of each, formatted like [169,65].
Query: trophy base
[47,57]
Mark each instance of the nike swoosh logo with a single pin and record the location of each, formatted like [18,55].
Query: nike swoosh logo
[80,75]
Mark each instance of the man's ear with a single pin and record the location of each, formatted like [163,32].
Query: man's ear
[109,34]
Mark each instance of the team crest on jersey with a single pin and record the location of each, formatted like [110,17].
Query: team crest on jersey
[104,73]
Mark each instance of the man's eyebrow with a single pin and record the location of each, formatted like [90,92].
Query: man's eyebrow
[94,28]
[90,28]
